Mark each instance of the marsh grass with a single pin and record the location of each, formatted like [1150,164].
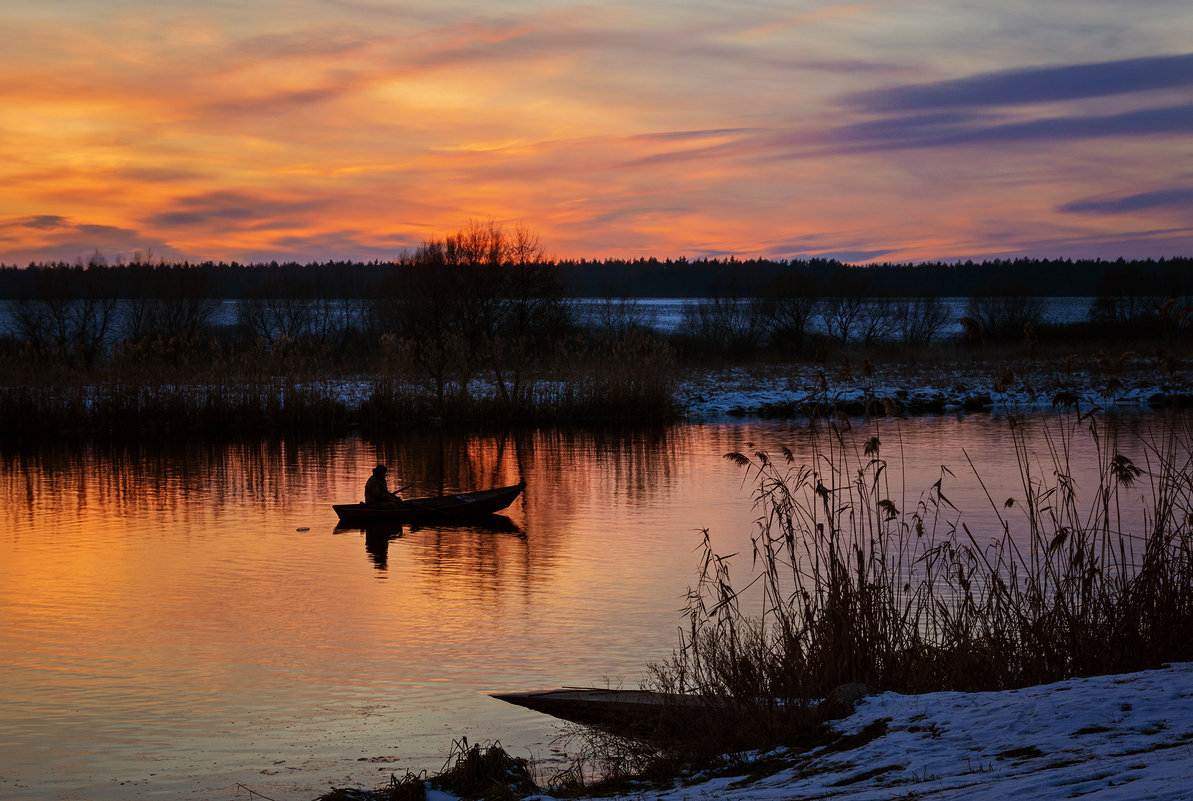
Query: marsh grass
[271,387]
[214,406]
[602,761]
[859,585]
[484,770]
[472,772]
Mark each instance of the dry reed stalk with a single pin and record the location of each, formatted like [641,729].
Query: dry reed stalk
[858,585]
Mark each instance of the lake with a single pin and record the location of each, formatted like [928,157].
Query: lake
[662,314]
[178,619]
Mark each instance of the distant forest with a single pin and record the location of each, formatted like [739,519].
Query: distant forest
[638,278]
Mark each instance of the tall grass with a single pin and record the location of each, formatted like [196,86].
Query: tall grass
[858,586]
[271,387]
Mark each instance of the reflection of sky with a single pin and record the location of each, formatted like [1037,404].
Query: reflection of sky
[183,616]
[315,129]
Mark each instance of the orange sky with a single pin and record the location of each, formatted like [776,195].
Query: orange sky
[355,129]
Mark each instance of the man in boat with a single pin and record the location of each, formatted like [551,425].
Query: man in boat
[377,490]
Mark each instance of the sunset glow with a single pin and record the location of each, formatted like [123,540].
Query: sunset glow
[355,129]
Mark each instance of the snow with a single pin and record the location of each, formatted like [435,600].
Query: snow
[1127,737]
[941,387]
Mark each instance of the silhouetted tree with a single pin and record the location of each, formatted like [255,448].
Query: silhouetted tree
[483,297]
[168,305]
[1000,311]
[845,298]
[727,320]
[68,314]
[918,321]
[788,304]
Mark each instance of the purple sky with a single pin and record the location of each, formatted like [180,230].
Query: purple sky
[338,129]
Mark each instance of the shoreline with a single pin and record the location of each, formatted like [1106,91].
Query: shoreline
[313,404]
[796,391]
[1114,737]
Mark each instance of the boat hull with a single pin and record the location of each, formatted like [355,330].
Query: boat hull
[635,712]
[458,506]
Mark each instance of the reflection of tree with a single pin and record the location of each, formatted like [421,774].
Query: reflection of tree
[180,488]
[180,479]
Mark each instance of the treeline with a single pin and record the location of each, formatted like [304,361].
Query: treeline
[475,328]
[480,326]
[752,277]
[144,276]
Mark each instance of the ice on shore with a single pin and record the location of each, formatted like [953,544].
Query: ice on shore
[770,390]
[1119,737]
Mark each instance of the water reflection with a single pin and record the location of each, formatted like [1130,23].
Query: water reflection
[378,536]
[192,610]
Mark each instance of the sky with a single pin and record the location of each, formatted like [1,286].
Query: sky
[311,130]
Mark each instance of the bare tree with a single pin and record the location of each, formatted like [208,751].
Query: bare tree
[1003,311]
[167,303]
[480,298]
[736,324]
[70,313]
[920,320]
[876,320]
[788,304]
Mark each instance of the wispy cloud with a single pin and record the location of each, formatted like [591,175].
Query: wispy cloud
[60,238]
[949,130]
[45,222]
[1034,85]
[227,207]
[1179,199]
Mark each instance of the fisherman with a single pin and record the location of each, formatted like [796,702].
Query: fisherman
[377,490]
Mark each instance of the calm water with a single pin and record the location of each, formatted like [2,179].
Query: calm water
[178,619]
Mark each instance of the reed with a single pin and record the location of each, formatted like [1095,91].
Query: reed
[274,387]
[857,586]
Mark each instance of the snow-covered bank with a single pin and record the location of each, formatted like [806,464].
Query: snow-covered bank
[934,388]
[1126,737]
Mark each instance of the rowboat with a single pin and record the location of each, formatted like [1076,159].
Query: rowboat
[640,711]
[650,714]
[641,714]
[440,507]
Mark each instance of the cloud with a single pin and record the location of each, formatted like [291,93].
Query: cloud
[45,222]
[1142,244]
[224,207]
[828,245]
[683,136]
[1176,199]
[62,239]
[1034,85]
[943,130]
[156,175]
[335,245]
[987,108]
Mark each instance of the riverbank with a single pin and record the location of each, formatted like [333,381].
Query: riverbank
[941,387]
[1112,737]
[1106,737]
[222,405]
